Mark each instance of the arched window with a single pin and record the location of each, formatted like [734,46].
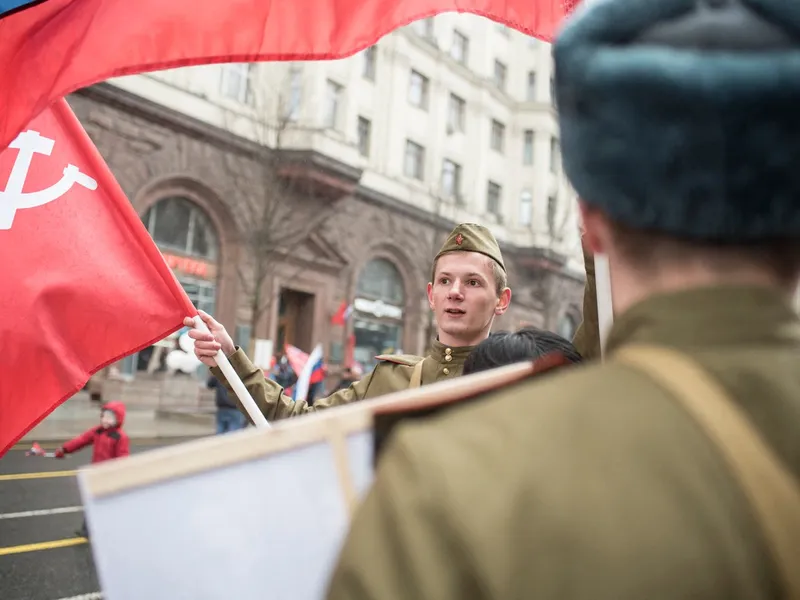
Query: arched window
[378,318]
[380,280]
[567,326]
[178,224]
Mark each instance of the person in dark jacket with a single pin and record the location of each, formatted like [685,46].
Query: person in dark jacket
[108,441]
[228,416]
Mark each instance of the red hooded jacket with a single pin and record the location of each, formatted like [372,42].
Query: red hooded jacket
[108,443]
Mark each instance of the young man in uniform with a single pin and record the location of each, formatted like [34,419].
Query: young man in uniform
[468,289]
[671,470]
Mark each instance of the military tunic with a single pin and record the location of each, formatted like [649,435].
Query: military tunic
[593,483]
[392,374]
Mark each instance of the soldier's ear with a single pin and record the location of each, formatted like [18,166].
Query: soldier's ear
[502,302]
[595,234]
[430,295]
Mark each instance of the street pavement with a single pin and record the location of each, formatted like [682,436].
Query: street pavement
[41,556]
[78,414]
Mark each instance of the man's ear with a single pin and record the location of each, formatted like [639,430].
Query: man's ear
[594,231]
[502,302]
[430,295]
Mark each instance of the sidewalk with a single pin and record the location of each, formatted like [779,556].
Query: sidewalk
[78,414]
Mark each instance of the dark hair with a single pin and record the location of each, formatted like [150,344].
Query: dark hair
[527,344]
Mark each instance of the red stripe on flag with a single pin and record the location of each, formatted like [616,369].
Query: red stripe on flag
[56,47]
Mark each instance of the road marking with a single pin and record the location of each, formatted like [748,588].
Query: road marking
[140,442]
[42,513]
[42,475]
[43,546]
[92,596]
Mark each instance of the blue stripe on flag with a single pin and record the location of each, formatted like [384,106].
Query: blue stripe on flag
[9,6]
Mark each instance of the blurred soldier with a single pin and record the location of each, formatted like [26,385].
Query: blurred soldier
[671,470]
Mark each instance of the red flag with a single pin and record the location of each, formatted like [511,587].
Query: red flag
[342,314]
[296,358]
[52,48]
[83,283]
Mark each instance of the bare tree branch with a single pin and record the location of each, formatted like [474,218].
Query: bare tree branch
[273,223]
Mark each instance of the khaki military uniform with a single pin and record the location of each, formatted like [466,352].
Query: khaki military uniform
[594,483]
[393,373]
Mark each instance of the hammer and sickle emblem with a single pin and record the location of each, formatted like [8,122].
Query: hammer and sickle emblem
[13,198]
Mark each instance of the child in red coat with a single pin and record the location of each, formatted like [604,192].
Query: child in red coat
[108,440]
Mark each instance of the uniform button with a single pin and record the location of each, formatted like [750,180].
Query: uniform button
[448,358]
[448,351]
[446,371]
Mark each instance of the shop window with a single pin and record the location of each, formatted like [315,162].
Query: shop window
[187,238]
[379,315]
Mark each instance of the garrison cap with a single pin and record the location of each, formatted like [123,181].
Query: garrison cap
[683,116]
[469,237]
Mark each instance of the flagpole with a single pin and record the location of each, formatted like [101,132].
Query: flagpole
[605,305]
[227,369]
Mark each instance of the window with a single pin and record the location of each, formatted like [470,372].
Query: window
[370,59]
[555,153]
[527,147]
[203,294]
[424,27]
[178,224]
[451,179]
[379,304]
[333,96]
[235,82]
[364,134]
[295,93]
[380,280]
[552,213]
[456,114]
[415,161]
[460,48]
[418,90]
[530,94]
[500,74]
[498,135]
[526,208]
[493,197]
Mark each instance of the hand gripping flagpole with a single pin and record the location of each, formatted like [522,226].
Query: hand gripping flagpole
[236,383]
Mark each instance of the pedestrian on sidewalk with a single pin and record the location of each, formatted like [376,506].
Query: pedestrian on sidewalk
[109,441]
[228,416]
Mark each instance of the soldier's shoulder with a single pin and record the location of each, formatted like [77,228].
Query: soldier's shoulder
[546,407]
[408,360]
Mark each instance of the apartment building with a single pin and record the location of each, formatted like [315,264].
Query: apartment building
[372,159]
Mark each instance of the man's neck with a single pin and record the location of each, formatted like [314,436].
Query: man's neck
[629,287]
[461,342]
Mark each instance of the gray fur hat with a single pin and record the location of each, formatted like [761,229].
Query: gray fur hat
[683,116]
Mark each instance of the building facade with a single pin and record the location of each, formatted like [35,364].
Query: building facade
[369,162]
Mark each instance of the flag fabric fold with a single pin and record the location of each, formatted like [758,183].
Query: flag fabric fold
[83,282]
[54,47]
